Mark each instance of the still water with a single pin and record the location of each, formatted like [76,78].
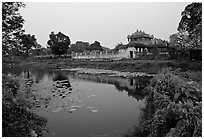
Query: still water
[81,105]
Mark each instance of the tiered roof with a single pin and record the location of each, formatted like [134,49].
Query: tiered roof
[139,34]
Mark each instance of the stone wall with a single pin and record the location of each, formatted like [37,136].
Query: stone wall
[100,55]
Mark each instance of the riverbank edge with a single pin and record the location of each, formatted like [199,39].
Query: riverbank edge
[128,65]
[93,71]
[17,118]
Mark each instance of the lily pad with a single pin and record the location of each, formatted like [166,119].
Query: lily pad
[72,110]
[92,110]
[58,109]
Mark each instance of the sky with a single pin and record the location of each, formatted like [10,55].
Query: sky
[109,23]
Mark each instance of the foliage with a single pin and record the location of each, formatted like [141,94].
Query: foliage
[39,50]
[174,105]
[59,43]
[80,46]
[17,120]
[10,84]
[193,76]
[179,40]
[191,22]
[118,46]
[28,42]
[12,23]
[189,35]
[96,46]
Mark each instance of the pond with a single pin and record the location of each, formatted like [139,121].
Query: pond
[82,105]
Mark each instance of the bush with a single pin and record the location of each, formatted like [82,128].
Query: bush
[17,120]
[175,105]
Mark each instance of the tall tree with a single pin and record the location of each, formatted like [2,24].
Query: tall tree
[191,22]
[28,42]
[12,23]
[59,43]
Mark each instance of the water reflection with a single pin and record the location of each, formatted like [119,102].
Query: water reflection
[86,105]
[133,86]
[59,76]
[61,80]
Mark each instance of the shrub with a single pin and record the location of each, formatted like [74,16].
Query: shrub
[175,105]
[17,120]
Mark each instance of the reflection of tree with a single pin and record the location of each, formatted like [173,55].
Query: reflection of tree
[137,93]
[26,73]
[62,79]
[11,69]
[138,83]
[134,86]
[59,76]
[38,74]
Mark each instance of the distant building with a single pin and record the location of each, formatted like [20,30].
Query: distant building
[140,45]
[140,37]
[143,44]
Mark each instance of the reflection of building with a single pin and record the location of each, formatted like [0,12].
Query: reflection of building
[133,86]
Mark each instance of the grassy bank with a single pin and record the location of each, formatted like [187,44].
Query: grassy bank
[127,65]
[17,120]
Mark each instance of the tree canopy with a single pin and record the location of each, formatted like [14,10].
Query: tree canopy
[59,43]
[28,42]
[179,40]
[81,46]
[12,23]
[96,46]
[189,33]
[191,22]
